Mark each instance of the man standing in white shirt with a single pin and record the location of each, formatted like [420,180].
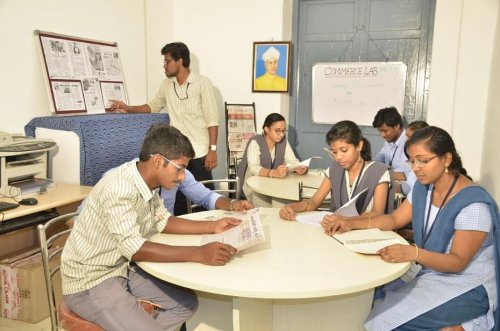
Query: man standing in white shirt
[389,124]
[190,102]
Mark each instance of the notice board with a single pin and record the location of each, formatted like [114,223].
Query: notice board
[82,75]
[356,90]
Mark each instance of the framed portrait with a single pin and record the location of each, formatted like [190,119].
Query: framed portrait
[271,66]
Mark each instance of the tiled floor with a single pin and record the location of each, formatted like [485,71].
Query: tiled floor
[12,325]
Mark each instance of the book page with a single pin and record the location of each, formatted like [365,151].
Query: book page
[304,163]
[314,218]
[248,233]
[368,241]
[348,209]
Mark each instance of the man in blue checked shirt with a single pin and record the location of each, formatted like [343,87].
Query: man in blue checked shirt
[201,195]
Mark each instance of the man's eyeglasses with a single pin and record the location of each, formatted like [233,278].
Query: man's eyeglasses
[178,167]
[419,163]
[278,131]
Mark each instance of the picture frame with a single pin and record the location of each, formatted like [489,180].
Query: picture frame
[271,66]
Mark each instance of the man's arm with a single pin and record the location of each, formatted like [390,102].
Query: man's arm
[232,205]
[121,107]
[211,158]
[197,192]
[215,253]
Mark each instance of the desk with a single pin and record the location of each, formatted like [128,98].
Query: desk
[285,190]
[299,279]
[61,197]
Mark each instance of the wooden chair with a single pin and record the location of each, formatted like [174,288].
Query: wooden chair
[53,235]
[230,189]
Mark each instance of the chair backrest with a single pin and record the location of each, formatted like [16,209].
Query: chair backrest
[228,187]
[52,237]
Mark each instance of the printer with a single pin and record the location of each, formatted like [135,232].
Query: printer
[24,165]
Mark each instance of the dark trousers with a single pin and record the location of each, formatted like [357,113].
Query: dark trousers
[197,168]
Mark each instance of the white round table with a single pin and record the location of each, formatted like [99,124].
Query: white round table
[285,190]
[298,279]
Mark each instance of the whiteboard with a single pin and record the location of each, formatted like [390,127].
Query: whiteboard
[356,90]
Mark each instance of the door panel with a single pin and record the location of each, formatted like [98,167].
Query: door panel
[358,31]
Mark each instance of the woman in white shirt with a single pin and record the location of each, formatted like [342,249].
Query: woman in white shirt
[268,155]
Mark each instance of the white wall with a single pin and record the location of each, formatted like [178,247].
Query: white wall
[491,152]
[23,91]
[220,36]
[462,57]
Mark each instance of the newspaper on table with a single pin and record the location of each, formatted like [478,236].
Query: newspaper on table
[248,233]
[350,208]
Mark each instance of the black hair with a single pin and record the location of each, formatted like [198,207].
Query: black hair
[165,140]
[177,51]
[272,118]
[388,116]
[350,133]
[417,125]
[439,142]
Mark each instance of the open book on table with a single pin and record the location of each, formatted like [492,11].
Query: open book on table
[350,208]
[367,241]
[248,233]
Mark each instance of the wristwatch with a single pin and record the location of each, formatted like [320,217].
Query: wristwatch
[213,147]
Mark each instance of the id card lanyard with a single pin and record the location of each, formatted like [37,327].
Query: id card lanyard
[426,233]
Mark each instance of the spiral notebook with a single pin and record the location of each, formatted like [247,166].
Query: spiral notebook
[367,241]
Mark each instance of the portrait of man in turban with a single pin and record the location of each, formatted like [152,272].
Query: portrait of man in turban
[271,68]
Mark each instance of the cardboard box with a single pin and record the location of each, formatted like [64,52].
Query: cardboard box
[23,292]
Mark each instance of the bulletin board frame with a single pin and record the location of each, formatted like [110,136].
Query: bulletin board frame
[82,75]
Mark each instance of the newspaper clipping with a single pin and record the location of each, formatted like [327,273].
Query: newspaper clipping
[83,75]
[241,127]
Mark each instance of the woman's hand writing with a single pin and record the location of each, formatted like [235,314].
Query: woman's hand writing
[287,213]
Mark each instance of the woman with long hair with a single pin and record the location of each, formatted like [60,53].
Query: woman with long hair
[453,282]
[351,171]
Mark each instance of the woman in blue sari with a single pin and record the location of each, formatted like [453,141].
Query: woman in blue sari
[455,271]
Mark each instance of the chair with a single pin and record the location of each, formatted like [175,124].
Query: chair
[53,235]
[232,188]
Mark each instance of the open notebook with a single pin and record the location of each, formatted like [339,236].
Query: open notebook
[367,241]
